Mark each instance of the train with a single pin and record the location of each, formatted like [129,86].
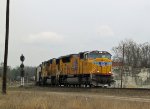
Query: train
[88,69]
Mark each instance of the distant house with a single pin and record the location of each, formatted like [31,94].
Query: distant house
[117,64]
[116,69]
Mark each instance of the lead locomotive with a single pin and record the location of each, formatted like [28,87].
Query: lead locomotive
[85,68]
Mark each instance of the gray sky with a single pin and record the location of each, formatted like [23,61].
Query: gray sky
[43,29]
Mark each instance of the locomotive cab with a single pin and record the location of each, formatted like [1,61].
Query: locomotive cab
[101,60]
[99,65]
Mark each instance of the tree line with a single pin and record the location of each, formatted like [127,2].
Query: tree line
[14,73]
[135,55]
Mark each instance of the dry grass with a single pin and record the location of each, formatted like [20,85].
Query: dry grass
[65,100]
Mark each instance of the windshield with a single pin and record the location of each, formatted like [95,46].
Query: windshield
[99,55]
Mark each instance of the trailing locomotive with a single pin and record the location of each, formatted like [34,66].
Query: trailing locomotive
[85,68]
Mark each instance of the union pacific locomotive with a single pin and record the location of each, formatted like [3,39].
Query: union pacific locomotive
[90,68]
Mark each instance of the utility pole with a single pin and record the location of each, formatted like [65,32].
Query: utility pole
[6,49]
[122,65]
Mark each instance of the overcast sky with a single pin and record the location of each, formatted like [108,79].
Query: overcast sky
[43,29]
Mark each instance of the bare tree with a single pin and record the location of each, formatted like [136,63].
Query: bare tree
[135,55]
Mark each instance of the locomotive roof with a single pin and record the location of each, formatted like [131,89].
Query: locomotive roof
[96,51]
[67,56]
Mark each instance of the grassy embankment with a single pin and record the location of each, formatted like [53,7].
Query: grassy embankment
[34,99]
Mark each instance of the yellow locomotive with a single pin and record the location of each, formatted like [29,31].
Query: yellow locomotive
[90,68]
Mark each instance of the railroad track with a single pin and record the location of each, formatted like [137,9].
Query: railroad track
[129,92]
[124,92]
[99,88]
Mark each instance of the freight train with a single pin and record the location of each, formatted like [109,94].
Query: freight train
[88,69]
